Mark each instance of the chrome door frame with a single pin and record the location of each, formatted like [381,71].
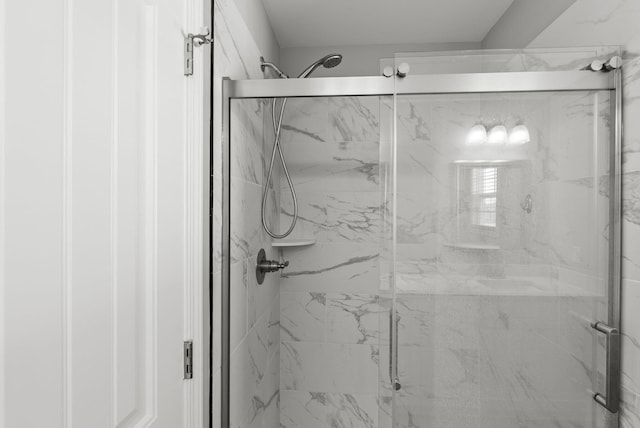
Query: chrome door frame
[546,81]
[543,81]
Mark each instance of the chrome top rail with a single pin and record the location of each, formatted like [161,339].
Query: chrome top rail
[529,81]
[312,87]
[537,81]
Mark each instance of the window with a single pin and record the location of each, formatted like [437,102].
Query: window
[484,191]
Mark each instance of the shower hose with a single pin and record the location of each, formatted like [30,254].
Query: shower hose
[277,127]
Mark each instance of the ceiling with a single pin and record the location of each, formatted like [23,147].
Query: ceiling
[306,23]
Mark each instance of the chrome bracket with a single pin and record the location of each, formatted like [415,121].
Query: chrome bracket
[191,41]
[611,64]
[611,400]
[402,70]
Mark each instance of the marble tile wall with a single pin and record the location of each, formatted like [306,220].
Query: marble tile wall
[616,19]
[431,137]
[558,168]
[330,303]
[614,22]
[489,361]
[459,344]
[255,309]
[511,353]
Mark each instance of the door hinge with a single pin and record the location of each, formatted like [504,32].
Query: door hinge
[188,359]
[191,41]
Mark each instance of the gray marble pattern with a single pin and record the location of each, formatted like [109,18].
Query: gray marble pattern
[309,348]
[321,410]
[454,350]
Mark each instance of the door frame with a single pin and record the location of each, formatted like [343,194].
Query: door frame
[198,112]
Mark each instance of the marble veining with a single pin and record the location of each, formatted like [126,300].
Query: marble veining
[354,118]
[321,410]
[303,409]
[225,33]
[329,367]
[631,197]
[413,122]
[349,262]
[629,409]
[304,132]
[303,317]
[369,169]
[353,318]
[348,410]
[330,309]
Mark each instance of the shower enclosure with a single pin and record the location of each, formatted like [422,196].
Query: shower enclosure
[455,261]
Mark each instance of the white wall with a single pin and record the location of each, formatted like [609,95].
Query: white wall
[522,22]
[257,21]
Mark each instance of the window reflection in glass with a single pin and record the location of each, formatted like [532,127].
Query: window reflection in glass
[484,196]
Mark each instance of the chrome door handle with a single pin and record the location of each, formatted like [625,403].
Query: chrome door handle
[610,401]
[393,350]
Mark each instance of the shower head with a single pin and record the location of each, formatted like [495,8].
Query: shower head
[332,60]
[328,61]
[264,64]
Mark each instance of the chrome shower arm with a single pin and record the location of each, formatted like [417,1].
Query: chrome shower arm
[264,64]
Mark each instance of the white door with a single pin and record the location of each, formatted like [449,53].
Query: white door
[100,214]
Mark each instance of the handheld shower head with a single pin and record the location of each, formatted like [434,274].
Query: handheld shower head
[332,60]
[328,61]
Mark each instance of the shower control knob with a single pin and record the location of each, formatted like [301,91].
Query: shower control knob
[403,69]
[264,266]
[387,71]
[272,265]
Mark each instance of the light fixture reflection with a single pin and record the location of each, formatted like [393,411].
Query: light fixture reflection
[519,135]
[477,135]
[498,135]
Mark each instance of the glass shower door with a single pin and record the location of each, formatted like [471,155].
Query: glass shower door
[501,224]
[465,242]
